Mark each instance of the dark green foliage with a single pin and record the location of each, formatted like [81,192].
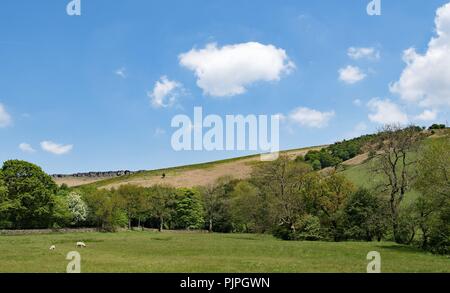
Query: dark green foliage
[316,165]
[188,210]
[333,155]
[437,126]
[283,232]
[365,216]
[30,200]
[432,207]
[309,228]
[133,202]
[439,241]
[161,202]
[250,209]
[106,210]
[216,201]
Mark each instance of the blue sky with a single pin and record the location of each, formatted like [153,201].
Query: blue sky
[76,91]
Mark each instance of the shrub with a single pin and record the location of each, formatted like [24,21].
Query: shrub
[77,208]
[309,228]
[316,165]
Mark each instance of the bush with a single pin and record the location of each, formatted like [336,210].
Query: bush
[316,165]
[365,216]
[309,229]
[77,208]
[283,232]
[437,126]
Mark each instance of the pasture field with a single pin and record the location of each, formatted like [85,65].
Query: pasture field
[202,252]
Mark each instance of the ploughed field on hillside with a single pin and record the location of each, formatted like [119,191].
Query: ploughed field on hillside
[185,176]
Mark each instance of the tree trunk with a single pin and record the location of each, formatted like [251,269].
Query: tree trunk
[129,223]
[210,229]
[394,220]
[139,222]
[161,224]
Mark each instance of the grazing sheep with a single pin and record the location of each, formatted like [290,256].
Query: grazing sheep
[81,244]
[53,247]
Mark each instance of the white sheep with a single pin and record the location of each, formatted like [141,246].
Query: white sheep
[81,244]
[53,247]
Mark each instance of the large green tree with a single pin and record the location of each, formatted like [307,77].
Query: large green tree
[432,207]
[365,216]
[280,181]
[393,147]
[249,209]
[133,201]
[105,209]
[30,195]
[160,200]
[188,209]
[216,199]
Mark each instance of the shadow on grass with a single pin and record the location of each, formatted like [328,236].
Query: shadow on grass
[401,248]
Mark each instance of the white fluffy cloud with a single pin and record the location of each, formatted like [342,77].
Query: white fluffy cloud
[165,92]
[351,74]
[361,53]
[386,112]
[228,70]
[427,115]
[54,148]
[5,118]
[310,117]
[26,148]
[426,78]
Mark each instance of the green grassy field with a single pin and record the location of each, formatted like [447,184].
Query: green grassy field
[202,252]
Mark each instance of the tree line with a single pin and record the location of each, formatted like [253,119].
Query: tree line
[287,198]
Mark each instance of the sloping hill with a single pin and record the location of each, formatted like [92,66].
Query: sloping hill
[357,169]
[183,176]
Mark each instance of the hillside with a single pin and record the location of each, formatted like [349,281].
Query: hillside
[182,176]
[357,169]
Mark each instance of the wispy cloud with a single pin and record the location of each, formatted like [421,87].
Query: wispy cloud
[5,117]
[357,53]
[165,92]
[54,148]
[122,72]
[26,148]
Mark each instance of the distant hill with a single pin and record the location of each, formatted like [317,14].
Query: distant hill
[357,169]
[182,176]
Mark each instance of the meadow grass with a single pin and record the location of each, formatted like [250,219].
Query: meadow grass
[203,252]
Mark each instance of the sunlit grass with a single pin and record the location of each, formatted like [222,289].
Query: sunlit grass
[203,252]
